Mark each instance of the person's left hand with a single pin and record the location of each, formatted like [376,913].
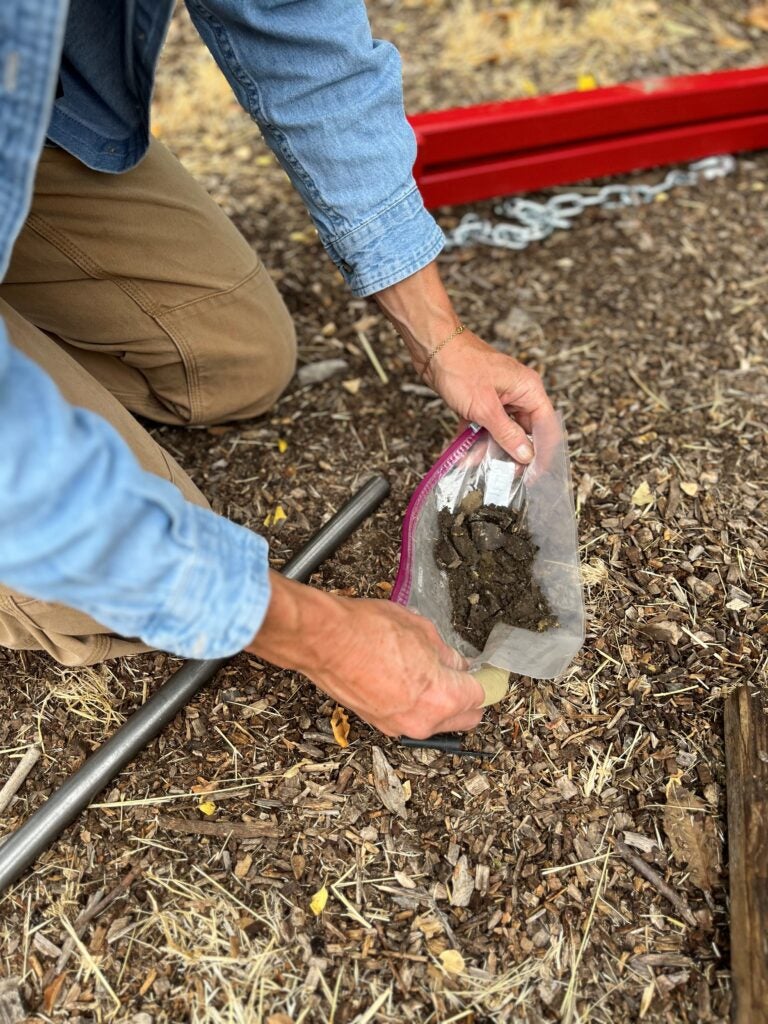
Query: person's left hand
[480,384]
[484,386]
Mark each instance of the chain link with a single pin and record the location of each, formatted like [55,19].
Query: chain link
[529,221]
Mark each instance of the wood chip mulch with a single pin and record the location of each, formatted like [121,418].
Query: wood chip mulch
[249,868]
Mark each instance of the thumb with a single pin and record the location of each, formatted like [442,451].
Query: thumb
[507,433]
[460,692]
[470,693]
[450,658]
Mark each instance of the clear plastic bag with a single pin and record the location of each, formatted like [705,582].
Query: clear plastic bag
[541,496]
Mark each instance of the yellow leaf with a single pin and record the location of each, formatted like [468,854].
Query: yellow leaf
[282,446]
[691,489]
[148,982]
[452,961]
[757,17]
[340,727]
[529,88]
[728,42]
[642,495]
[263,161]
[207,806]
[586,82]
[273,518]
[318,901]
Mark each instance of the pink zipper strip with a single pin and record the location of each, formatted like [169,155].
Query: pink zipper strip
[401,591]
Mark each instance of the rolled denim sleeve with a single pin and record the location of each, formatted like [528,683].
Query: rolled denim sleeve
[328,99]
[81,523]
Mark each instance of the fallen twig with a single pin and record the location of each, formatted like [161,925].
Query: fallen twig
[23,768]
[567,1005]
[68,946]
[651,394]
[236,829]
[96,905]
[652,876]
[89,961]
[373,358]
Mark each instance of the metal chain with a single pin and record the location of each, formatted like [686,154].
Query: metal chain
[529,221]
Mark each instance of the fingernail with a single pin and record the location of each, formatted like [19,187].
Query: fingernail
[524,452]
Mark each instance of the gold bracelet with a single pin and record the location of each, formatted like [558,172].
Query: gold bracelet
[456,331]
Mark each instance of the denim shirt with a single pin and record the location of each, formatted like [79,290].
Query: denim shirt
[80,522]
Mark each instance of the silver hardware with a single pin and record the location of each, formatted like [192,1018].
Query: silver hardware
[529,221]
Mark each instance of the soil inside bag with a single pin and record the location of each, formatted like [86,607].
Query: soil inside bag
[488,556]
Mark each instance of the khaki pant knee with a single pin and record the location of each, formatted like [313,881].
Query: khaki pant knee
[238,351]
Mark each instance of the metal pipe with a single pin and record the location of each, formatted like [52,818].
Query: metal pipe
[446,743]
[39,831]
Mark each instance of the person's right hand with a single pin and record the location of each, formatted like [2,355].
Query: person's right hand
[385,663]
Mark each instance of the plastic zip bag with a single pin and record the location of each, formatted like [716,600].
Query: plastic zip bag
[476,477]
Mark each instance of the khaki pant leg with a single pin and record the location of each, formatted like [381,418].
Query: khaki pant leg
[72,637]
[152,289]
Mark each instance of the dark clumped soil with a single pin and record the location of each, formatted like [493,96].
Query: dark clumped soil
[488,555]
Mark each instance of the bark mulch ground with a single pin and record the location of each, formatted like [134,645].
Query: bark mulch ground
[574,871]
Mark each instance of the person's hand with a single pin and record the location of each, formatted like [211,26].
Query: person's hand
[484,386]
[385,663]
[480,384]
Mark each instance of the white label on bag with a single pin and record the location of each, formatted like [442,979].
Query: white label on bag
[448,490]
[499,478]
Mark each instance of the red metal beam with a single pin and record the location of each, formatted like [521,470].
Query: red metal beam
[474,153]
[593,158]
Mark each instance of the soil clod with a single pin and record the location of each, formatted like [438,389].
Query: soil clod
[488,555]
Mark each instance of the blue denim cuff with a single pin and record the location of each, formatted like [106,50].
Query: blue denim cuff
[388,247]
[222,592]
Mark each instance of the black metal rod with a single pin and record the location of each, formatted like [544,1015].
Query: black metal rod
[39,831]
[445,742]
